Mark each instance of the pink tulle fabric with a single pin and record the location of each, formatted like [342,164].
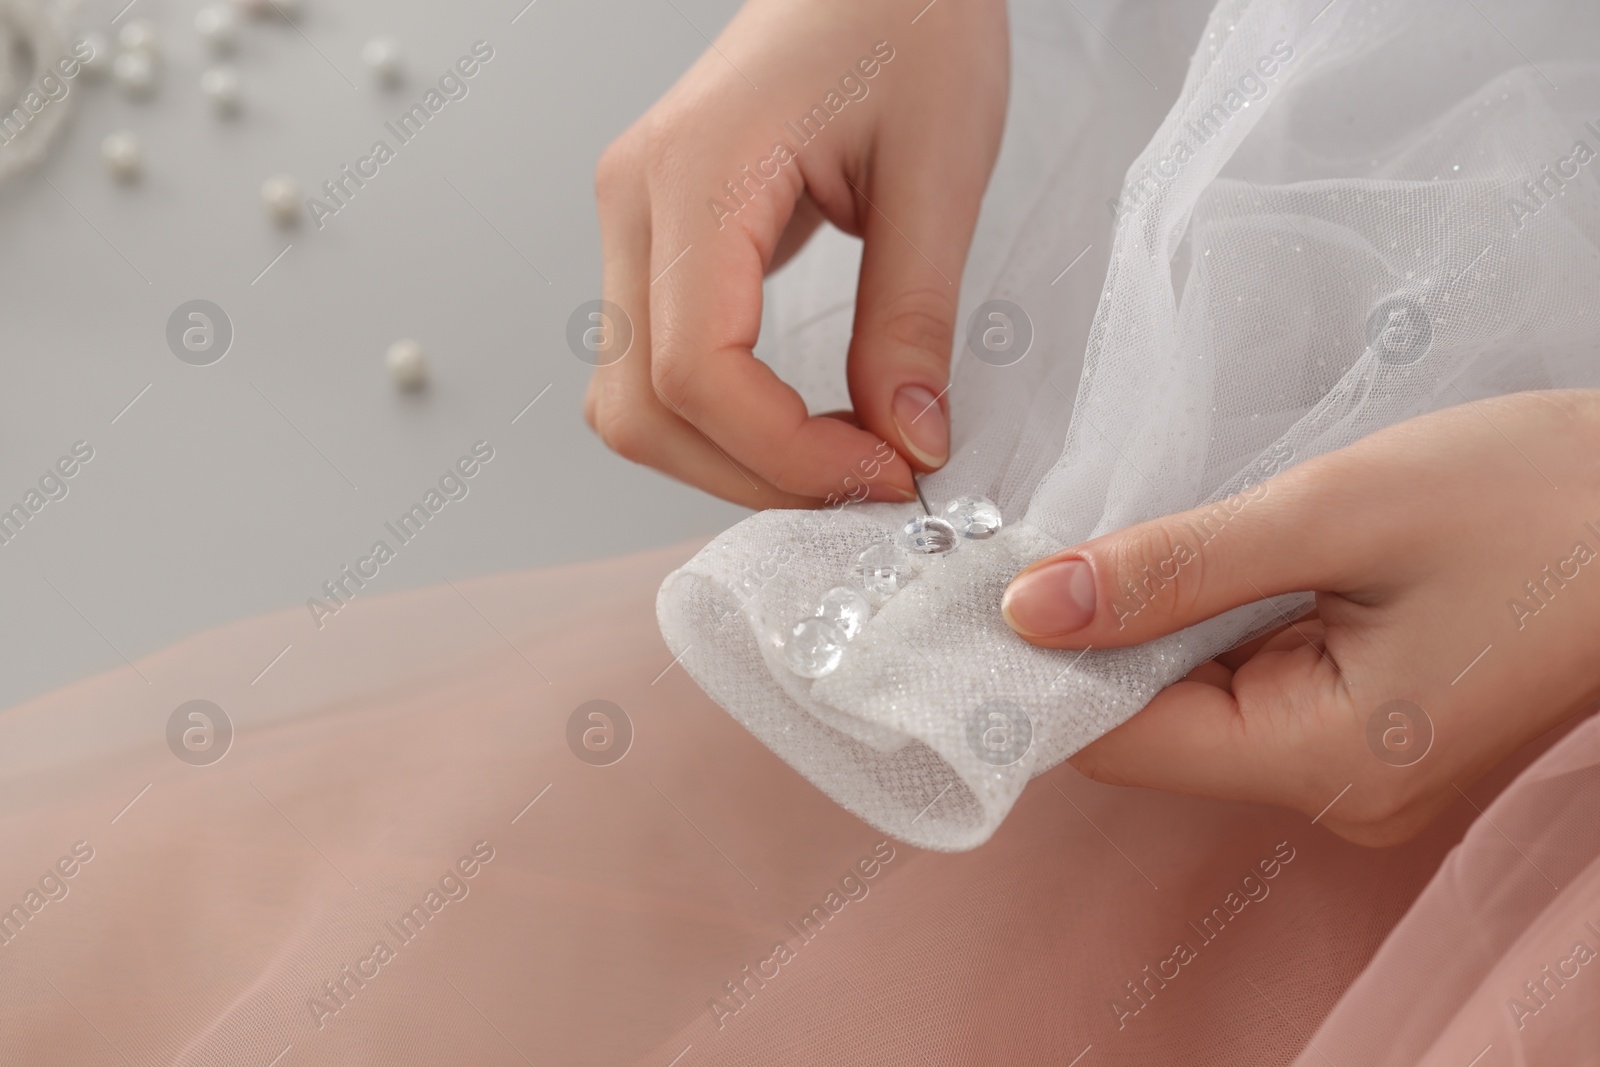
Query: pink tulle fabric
[403,779]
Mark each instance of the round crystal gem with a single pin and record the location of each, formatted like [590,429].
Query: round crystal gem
[974,517]
[928,535]
[847,608]
[814,647]
[883,570]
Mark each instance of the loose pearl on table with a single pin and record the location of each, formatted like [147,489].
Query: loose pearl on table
[220,85]
[98,65]
[122,156]
[135,74]
[408,367]
[218,26]
[140,36]
[282,197]
[382,57]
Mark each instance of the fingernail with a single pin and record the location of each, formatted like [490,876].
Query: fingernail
[891,493]
[922,425]
[1057,598]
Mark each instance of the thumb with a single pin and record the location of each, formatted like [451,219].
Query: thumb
[1159,577]
[917,223]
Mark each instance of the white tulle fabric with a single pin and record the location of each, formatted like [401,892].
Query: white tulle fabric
[1353,213]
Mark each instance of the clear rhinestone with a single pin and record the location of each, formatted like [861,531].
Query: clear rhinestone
[814,647]
[847,608]
[883,570]
[974,517]
[928,535]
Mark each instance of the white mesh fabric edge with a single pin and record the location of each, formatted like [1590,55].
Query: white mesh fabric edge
[1200,378]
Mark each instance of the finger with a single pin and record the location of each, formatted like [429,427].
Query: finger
[1257,739]
[1212,673]
[621,403]
[917,222]
[1238,656]
[1158,577]
[708,258]
[807,217]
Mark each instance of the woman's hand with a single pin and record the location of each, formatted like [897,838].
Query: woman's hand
[1456,562]
[883,118]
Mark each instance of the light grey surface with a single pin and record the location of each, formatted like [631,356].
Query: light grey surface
[241,487]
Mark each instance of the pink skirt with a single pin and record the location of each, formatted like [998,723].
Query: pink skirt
[420,848]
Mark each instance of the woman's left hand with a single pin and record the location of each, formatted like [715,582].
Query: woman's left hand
[1456,564]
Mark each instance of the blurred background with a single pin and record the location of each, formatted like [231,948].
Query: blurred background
[221,491]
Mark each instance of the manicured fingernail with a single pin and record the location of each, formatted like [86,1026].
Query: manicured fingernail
[1057,598]
[922,425]
[891,493]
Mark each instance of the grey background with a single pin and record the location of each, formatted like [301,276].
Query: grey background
[203,503]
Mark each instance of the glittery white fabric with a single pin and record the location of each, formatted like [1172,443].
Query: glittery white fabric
[1353,213]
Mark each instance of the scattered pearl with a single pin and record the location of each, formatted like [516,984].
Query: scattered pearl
[218,26]
[382,57]
[220,85]
[98,65]
[122,156]
[282,196]
[140,36]
[135,74]
[407,365]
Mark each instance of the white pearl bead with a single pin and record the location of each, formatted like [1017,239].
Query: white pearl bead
[382,57]
[98,65]
[282,197]
[135,74]
[122,156]
[218,27]
[140,36]
[407,365]
[220,85]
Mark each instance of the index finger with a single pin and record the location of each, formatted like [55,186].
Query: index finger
[707,266]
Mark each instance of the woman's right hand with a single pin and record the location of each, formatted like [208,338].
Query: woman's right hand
[883,118]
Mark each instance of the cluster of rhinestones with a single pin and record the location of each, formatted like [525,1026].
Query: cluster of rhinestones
[815,645]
